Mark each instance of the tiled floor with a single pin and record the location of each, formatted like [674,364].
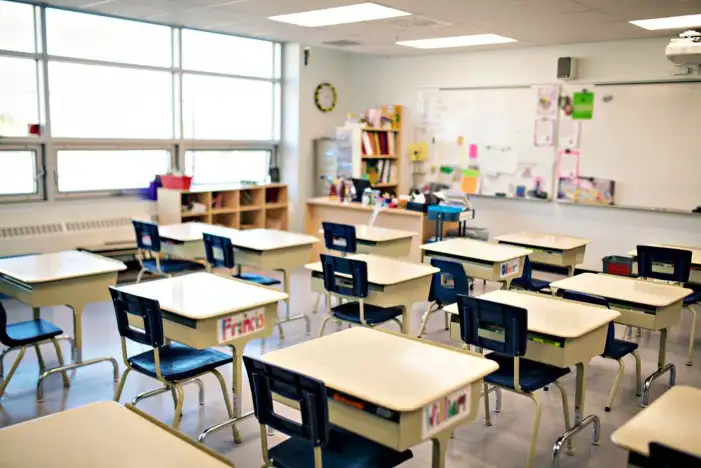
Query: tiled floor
[504,445]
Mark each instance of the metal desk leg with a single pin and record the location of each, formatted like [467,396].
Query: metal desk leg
[570,270]
[406,319]
[579,423]
[440,445]
[662,368]
[288,318]
[78,351]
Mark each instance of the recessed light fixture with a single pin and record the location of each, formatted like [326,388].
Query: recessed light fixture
[457,41]
[340,15]
[672,22]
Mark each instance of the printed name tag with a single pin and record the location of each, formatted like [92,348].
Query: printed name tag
[510,268]
[340,242]
[146,240]
[239,325]
[218,253]
[444,412]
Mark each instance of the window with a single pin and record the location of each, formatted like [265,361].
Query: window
[95,170]
[17,27]
[220,53]
[220,167]
[18,172]
[91,101]
[18,96]
[227,108]
[87,36]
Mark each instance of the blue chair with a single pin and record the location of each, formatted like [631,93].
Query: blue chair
[354,285]
[662,456]
[446,284]
[526,281]
[23,334]
[148,242]
[503,329]
[651,258]
[219,252]
[338,238]
[314,442]
[173,364]
[615,349]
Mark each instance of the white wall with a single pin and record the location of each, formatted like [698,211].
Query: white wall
[612,231]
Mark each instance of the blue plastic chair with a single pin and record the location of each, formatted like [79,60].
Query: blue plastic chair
[20,335]
[504,330]
[446,284]
[148,242]
[219,252]
[314,442]
[615,349]
[651,256]
[353,285]
[526,281]
[340,238]
[662,456]
[173,364]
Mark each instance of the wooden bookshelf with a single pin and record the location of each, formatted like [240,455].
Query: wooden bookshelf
[236,206]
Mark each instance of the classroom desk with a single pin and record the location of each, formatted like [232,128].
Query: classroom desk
[265,249]
[694,274]
[490,262]
[437,376]
[644,304]
[549,249]
[560,333]
[391,283]
[71,278]
[203,310]
[672,420]
[105,435]
[382,241]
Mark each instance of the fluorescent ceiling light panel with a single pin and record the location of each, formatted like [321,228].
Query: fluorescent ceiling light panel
[340,15]
[457,41]
[673,22]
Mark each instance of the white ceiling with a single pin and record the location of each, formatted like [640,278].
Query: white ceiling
[531,22]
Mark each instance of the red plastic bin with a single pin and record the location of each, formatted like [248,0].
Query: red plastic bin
[176,182]
[618,265]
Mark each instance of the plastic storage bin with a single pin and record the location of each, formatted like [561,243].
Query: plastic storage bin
[618,265]
[176,182]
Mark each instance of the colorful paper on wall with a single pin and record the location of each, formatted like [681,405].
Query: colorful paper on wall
[544,133]
[473,151]
[418,151]
[470,181]
[547,101]
[570,131]
[583,105]
[568,164]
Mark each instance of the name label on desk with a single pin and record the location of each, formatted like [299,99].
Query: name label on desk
[446,411]
[509,268]
[240,325]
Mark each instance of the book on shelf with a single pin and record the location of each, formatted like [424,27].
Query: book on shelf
[377,144]
[380,171]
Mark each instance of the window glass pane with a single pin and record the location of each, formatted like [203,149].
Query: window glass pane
[89,170]
[220,53]
[18,96]
[94,101]
[17,172]
[227,108]
[219,167]
[16,27]
[86,36]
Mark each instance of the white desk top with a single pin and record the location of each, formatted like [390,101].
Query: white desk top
[57,266]
[546,241]
[269,239]
[379,234]
[105,435]
[672,420]
[551,315]
[695,251]
[624,289]
[410,374]
[481,250]
[202,296]
[189,232]
[386,271]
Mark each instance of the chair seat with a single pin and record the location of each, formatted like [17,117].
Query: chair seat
[344,450]
[172,265]
[32,331]
[619,348]
[535,284]
[258,279]
[532,375]
[179,362]
[374,315]
[692,298]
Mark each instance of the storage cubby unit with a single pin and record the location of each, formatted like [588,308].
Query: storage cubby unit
[225,202]
[254,219]
[276,218]
[252,199]
[276,196]
[226,219]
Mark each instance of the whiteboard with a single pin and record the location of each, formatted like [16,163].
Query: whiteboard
[647,138]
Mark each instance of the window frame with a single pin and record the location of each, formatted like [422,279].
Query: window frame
[271,149]
[39,174]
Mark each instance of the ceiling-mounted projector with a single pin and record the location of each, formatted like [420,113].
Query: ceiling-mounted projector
[686,49]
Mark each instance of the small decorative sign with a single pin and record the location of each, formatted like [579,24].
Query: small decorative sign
[445,412]
[509,268]
[239,325]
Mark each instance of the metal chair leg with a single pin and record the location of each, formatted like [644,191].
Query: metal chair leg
[487,410]
[200,390]
[120,386]
[323,325]
[227,402]
[140,275]
[616,383]
[638,373]
[2,361]
[6,380]
[424,319]
[59,357]
[40,359]
[316,303]
[395,320]
[692,336]
[446,315]
[565,405]
[536,426]
[497,409]
[179,399]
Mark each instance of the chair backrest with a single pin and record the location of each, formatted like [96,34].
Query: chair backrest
[219,251]
[449,282]
[148,309]
[504,327]
[340,237]
[527,273]
[309,393]
[147,236]
[355,281]
[4,337]
[594,300]
[649,257]
[662,456]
